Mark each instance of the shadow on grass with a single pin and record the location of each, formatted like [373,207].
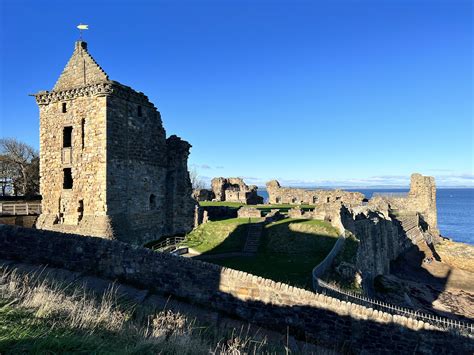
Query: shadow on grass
[284,254]
[231,294]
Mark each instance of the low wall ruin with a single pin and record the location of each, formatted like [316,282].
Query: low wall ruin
[286,195]
[386,225]
[249,212]
[229,190]
[307,316]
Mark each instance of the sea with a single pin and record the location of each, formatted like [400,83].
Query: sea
[455,210]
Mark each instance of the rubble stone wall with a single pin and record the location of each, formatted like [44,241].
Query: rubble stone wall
[249,212]
[235,190]
[386,226]
[285,195]
[304,314]
[129,182]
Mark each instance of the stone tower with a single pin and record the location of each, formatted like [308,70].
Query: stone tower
[422,199]
[107,168]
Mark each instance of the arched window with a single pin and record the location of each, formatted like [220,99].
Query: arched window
[152,202]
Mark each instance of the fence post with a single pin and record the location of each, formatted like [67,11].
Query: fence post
[27,210]
[14,209]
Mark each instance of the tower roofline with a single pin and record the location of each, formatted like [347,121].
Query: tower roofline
[80,70]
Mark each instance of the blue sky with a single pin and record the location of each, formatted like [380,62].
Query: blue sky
[349,93]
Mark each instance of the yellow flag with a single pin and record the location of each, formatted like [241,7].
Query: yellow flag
[83,27]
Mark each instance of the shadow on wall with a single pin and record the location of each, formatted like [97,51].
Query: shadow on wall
[388,246]
[302,314]
[409,267]
[284,254]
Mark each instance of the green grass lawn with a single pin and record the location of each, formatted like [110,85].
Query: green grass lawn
[288,252]
[216,237]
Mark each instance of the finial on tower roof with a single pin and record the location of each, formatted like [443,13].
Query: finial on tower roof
[81,28]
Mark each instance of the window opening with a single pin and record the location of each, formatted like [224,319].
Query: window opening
[67,137]
[67,181]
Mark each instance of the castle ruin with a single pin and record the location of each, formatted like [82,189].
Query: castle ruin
[229,190]
[107,168]
[386,225]
[285,195]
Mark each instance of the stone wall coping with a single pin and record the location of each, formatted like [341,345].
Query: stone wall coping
[104,88]
[283,294]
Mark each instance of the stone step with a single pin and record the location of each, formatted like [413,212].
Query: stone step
[253,238]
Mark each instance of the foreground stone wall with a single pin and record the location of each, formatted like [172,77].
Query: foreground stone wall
[22,221]
[308,316]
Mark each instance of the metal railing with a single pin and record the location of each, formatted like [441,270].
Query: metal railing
[169,244]
[356,298]
[19,209]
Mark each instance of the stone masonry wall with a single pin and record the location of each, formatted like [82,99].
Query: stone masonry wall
[235,190]
[129,182]
[386,226]
[249,212]
[60,207]
[306,315]
[278,194]
[422,199]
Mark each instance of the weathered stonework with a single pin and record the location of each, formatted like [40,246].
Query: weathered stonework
[278,194]
[235,190]
[386,226]
[249,212]
[312,317]
[203,195]
[129,181]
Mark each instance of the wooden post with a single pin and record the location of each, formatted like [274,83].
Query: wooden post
[14,209]
[27,210]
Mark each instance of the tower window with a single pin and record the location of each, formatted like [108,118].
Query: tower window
[83,132]
[67,182]
[139,111]
[80,210]
[67,136]
[64,107]
[152,202]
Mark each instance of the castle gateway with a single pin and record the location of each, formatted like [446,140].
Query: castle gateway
[107,168]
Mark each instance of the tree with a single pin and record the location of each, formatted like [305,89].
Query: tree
[196,181]
[21,162]
[8,174]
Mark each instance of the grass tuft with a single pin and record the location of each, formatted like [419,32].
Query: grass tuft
[40,316]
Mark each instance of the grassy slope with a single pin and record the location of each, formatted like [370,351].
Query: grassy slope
[289,250]
[219,237]
[22,330]
[39,317]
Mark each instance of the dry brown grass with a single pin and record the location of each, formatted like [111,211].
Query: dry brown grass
[71,307]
